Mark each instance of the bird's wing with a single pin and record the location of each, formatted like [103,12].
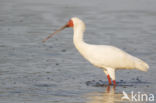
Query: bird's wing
[113,57]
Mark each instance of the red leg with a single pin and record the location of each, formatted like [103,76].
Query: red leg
[109,79]
[114,82]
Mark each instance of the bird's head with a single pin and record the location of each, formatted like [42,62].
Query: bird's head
[73,22]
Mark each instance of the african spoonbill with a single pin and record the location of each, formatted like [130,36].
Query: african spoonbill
[107,57]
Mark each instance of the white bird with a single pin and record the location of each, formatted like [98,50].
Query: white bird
[107,57]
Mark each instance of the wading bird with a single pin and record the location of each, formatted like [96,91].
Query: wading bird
[106,57]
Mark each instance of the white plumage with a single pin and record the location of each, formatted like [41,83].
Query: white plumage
[106,57]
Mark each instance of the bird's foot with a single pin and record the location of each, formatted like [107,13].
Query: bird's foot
[114,82]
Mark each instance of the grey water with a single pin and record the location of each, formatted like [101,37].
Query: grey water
[54,72]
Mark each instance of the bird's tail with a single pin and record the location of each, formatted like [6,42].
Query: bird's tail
[141,65]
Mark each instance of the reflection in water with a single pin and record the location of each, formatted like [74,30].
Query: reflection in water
[109,96]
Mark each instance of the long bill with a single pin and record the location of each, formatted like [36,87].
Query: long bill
[44,40]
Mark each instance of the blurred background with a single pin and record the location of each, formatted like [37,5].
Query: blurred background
[54,72]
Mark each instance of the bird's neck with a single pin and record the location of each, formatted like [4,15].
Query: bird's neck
[78,38]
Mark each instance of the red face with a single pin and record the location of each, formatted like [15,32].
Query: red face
[70,23]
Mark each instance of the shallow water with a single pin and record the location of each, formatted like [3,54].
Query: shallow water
[33,72]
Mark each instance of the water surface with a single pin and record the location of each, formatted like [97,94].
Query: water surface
[54,72]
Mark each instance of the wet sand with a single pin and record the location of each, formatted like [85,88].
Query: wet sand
[54,72]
